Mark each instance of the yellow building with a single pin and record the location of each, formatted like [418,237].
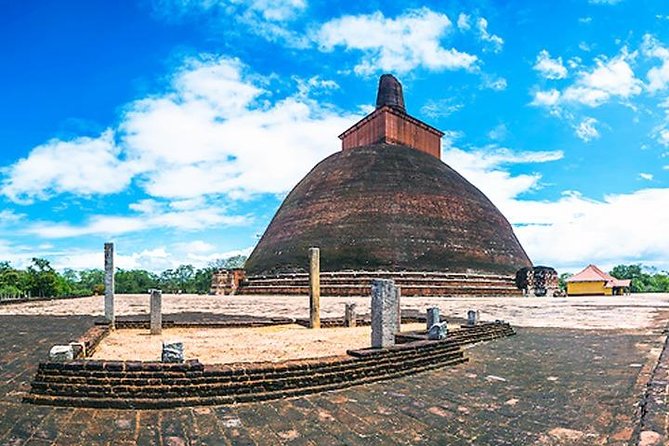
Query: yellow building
[594,281]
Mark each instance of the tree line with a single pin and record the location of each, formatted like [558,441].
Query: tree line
[644,279]
[40,279]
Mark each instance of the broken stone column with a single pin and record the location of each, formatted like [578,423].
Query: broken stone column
[472,317]
[433,317]
[384,313]
[61,353]
[314,288]
[350,317]
[437,331]
[156,312]
[173,351]
[109,284]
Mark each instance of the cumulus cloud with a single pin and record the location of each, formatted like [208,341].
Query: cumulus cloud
[485,168]
[586,129]
[496,42]
[547,98]
[192,140]
[609,79]
[463,22]
[550,68]
[113,225]
[658,77]
[646,176]
[411,40]
[83,166]
[620,228]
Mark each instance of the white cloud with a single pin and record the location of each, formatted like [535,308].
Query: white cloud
[646,176]
[156,259]
[608,79]
[9,217]
[272,10]
[495,41]
[499,132]
[605,2]
[612,78]
[83,166]
[663,136]
[463,22]
[213,132]
[494,83]
[548,67]
[154,218]
[399,44]
[622,228]
[265,18]
[586,129]
[548,98]
[484,168]
[658,77]
[440,108]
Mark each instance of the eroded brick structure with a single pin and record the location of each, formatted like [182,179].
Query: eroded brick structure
[390,124]
[387,202]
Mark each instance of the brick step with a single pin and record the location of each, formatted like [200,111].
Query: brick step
[110,384]
[364,290]
[366,281]
[388,274]
[129,373]
[241,387]
[161,403]
[244,375]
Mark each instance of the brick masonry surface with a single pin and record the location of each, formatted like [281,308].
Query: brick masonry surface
[543,386]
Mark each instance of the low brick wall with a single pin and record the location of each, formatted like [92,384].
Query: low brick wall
[154,385]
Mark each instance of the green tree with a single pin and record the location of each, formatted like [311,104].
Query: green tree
[644,279]
[43,279]
[202,280]
[92,280]
[184,276]
[562,281]
[135,281]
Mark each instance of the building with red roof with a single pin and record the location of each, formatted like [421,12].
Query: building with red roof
[594,281]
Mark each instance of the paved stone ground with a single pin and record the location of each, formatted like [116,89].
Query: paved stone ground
[545,386]
[635,311]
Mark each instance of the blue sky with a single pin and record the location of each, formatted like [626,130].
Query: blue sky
[176,127]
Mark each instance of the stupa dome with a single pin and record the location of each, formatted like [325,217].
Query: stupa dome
[387,202]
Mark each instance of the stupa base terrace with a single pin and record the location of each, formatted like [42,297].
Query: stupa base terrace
[411,283]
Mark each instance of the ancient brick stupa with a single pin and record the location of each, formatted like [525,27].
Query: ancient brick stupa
[387,206]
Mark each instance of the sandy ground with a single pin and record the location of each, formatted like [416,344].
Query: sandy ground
[226,345]
[592,312]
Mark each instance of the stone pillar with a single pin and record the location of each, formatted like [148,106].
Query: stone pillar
[314,288]
[472,317]
[399,309]
[384,313]
[156,312]
[433,317]
[109,284]
[350,318]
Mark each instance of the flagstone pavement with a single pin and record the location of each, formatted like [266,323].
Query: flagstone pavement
[544,386]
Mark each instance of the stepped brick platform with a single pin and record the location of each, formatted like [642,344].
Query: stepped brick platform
[152,385]
[357,283]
